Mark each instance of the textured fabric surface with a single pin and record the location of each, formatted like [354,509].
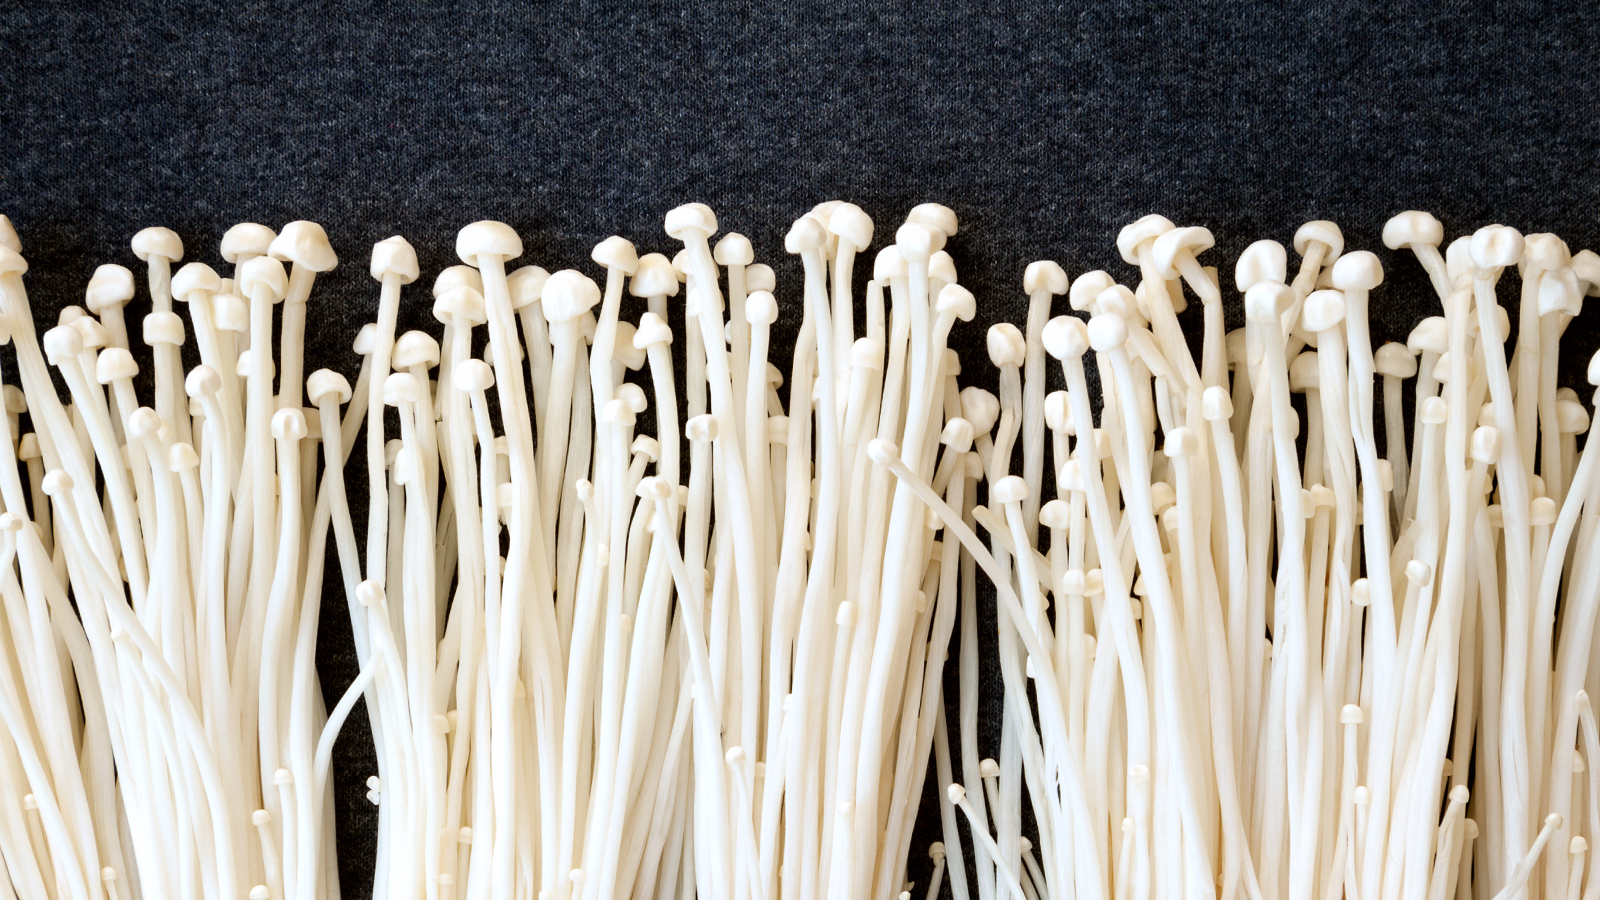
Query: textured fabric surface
[1046,126]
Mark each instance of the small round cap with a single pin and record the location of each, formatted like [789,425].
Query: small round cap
[390,256]
[616,253]
[306,245]
[111,285]
[733,250]
[162,243]
[1045,275]
[1322,231]
[246,239]
[487,238]
[195,276]
[1412,227]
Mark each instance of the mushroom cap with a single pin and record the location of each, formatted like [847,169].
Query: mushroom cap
[264,274]
[761,308]
[981,408]
[1586,265]
[1045,275]
[473,375]
[12,261]
[401,387]
[942,267]
[805,235]
[163,328]
[415,348]
[1323,231]
[889,264]
[326,383]
[652,330]
[850,222]
[1261,261]
[462,301]
[1322,310]
[1357,271]
[760,277]
[195,276]
[1006,345]
[115,363]
[568,295]
[1412,227]
[1571,417]
[690,217]
[1065,337]
[526,285]
[1107,332]
[1559,292]
[1164,253]
[616,253]
[1216,405]
[1458,259]
[112,285]
[306,245]
[1431,335]
[733,250]
[1303,372]
[1395,360]
[159,242]
[957,301]
[366,340]
[487,238]
[1267,301]
[1010,489]
[957,435]
[1496,246]
[230,313]
[391,256]
[655,277]
[1089,286]
[246,239]
[935,215]
[1135,234]
[457,276]
[918,241]
[623,349]
[1545,251]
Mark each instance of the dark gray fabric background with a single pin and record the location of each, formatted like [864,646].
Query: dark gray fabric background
[1046,126]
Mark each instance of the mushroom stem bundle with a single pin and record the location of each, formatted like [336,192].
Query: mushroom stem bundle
[631,629]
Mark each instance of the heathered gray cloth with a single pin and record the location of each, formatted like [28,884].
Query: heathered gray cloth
[1046,126]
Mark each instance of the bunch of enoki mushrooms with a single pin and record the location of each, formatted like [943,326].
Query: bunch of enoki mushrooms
[1248,648]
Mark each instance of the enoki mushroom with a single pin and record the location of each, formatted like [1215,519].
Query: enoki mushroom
[627,629]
